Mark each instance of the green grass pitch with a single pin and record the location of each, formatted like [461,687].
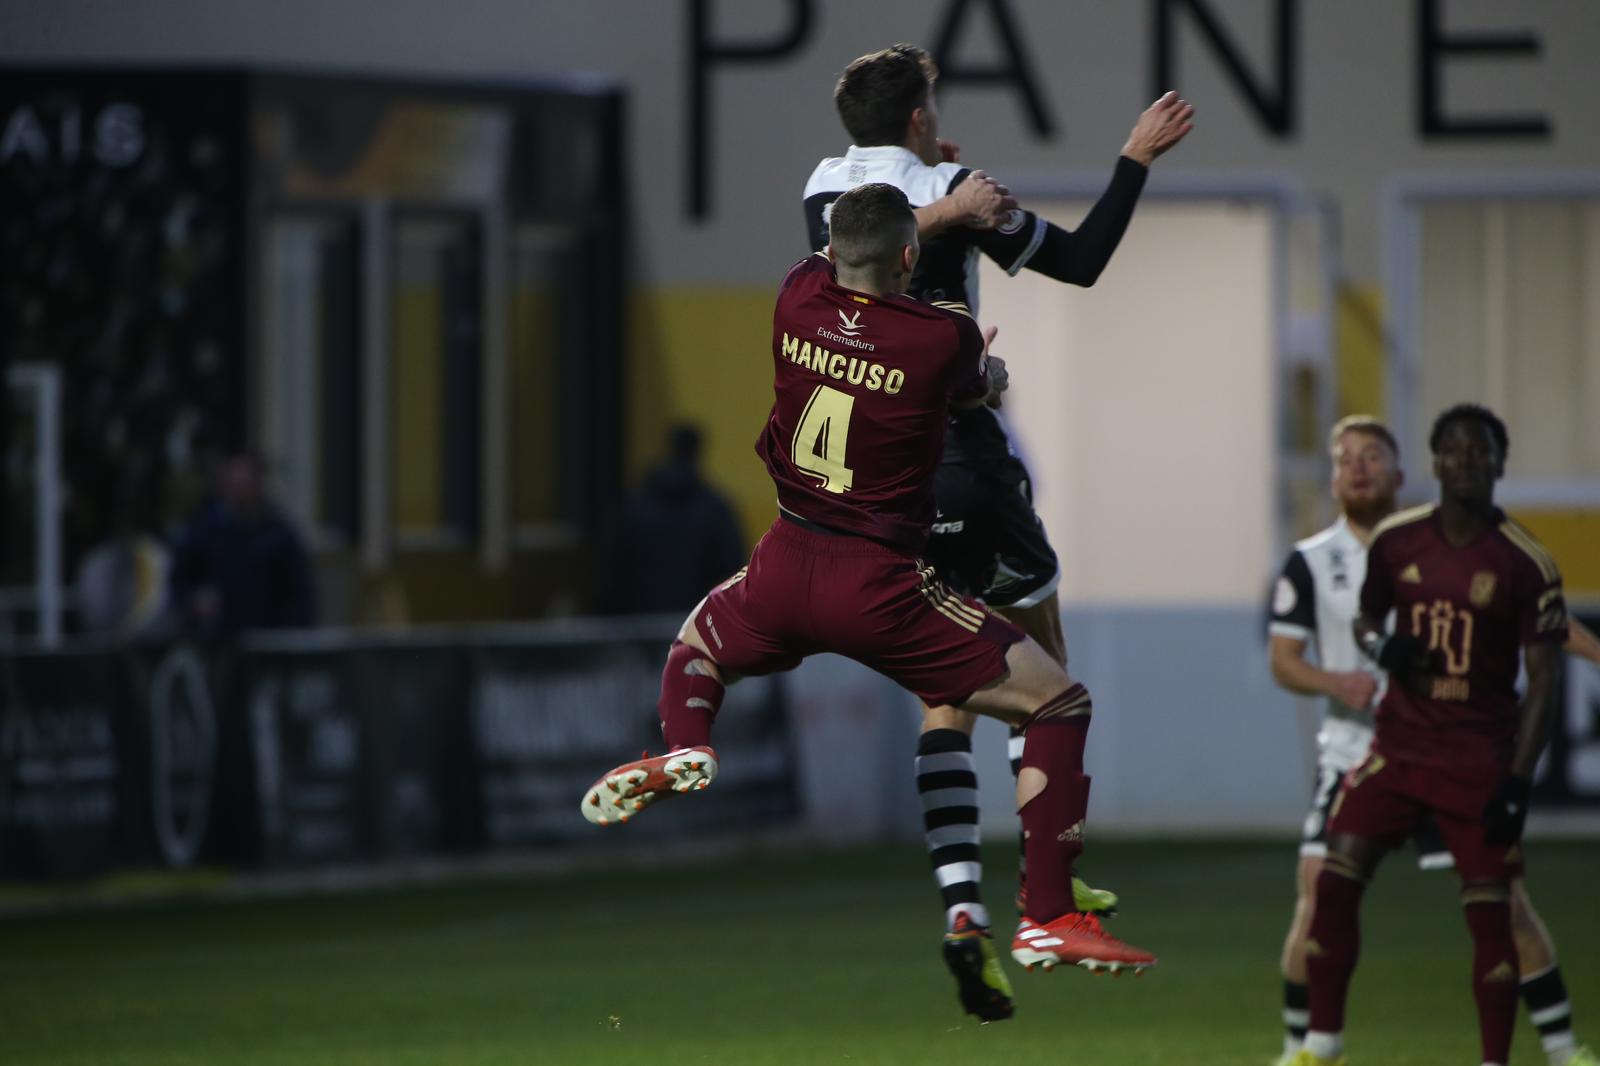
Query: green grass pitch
[828,959]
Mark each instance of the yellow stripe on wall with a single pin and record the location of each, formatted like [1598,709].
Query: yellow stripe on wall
[1359,325]
[1573,537]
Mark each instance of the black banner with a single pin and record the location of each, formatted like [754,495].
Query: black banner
[1569,774]
[63,761]
[298,752]
[547,721]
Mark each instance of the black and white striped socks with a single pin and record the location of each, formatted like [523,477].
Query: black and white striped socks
[947,782]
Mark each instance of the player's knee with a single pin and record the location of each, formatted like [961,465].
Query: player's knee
[690,659]
[1485,890]
[1345,865]
[948,717]
[1073,701]
[1524,919]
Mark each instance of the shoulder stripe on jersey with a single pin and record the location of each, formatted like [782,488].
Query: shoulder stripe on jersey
[953,305]
[1040,226]
[1403,518]
[1532,549]
[822,252]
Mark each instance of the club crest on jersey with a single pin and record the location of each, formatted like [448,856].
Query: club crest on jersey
[1013,221]
[1482,591]
[850,325]
[1284,597]
[1411,575]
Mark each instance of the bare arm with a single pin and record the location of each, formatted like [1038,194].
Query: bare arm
[1292,671]
[1538,709]
[979,202]
[1581,641]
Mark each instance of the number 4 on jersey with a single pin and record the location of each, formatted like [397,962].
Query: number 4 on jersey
[819,440]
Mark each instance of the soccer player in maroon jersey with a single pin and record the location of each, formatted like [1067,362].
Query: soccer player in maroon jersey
[987,541]
[864,377]
[1468,587]
[1313,605]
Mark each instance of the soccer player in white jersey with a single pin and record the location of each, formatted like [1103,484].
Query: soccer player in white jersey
[1314,601]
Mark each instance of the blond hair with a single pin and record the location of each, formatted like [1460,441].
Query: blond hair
[1371,425]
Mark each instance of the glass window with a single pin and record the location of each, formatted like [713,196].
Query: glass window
[435,434]
[313,425]
[535,417]
[1507,317]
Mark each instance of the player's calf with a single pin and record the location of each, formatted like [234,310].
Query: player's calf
[691,693]
[1053,800]
[1494,965]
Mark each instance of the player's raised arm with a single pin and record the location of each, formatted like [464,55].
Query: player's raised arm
[1078,256]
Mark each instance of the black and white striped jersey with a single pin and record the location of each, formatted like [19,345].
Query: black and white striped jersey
[1315,599]
[948,269]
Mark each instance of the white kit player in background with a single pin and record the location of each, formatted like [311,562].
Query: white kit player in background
[1314,601]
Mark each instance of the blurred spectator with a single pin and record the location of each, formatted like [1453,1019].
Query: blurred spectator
[239,563]
[676,536]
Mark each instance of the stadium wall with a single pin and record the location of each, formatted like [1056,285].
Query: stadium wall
[729,109]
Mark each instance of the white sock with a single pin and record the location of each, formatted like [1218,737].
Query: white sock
[1559,1046]
[1560,1051]
[1325,1045]
[1291,1045]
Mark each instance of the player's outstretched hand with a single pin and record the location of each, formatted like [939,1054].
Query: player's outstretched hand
[1355,689]
[1163,124]
[1507,811]
[984,203]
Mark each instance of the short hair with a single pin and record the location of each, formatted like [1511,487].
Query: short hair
[868,225]
[1471,412]
[877,93]
[1371,425]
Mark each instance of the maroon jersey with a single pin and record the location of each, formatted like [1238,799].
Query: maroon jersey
[863,388]
[1474,608]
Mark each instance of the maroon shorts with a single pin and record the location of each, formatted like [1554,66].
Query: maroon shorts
[1384,797]
[806,592]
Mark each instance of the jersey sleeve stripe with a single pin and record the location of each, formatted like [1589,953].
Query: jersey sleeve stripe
[1533,549]
[1403,518]
[953,305]
[1290,630]
[1039,227]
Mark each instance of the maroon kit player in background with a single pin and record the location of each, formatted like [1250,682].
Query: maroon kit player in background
[854,436]
[1468,587]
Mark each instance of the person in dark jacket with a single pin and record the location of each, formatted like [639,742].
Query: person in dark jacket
[675,538]
[239,563]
